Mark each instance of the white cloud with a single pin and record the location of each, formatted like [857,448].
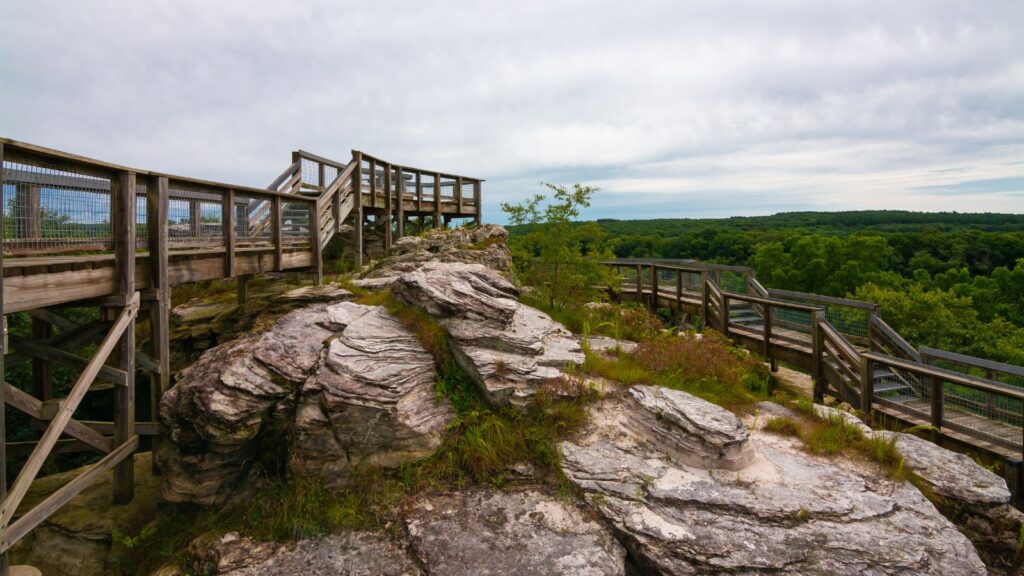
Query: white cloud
[745,106]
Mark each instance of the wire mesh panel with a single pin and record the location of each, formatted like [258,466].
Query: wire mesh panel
[253,220]
[295,218]
[789,319]
[141,231]
[903,390]
[310,171]
[849,320]
[732,281]
[330,174]
[54,210]
[195,217]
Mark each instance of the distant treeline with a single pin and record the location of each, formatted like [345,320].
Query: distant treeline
[947,280]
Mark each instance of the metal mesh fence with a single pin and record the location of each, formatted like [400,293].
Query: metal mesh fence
[295,227]
[330,175]
[50,210]
[310,171]
[253,220]
[848,320]
[195,216]
[141,230]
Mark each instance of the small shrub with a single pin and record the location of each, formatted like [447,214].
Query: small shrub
[833,435]
[783,425]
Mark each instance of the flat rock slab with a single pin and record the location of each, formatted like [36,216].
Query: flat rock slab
[353,553]
[326,293]
[785,512]
[526,533]
[950,474]
[511,350]
[605,345]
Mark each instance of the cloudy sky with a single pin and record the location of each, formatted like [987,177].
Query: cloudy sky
[672,108]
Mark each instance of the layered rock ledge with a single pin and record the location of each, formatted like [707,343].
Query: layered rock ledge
[509,348]
[782,512]
[333,385]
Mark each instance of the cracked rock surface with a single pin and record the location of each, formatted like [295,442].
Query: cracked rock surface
[335,385]
[509,349]
[780,511]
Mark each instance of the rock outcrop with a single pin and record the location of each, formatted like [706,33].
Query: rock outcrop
[486,245]
[975,498]
[783,512]
[522,532]
[332,385]
[509,348]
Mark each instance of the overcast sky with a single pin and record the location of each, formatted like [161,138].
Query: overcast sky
[672,108]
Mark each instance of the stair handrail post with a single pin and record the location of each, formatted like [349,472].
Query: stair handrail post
[639,284]
[654,287]
[357,207]
[867,385]
[725,314]
[679,295]
[315,246]
[705,298]
[817,349]
[769,354]
[938,406]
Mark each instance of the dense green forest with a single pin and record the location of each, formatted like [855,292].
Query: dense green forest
[947,280]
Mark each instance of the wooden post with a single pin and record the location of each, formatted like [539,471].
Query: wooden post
[476,202]
[872,316]
[769,353]
[320,175]
[195,219]
[314,239]
[242,287]
[639,284]
[419,197]
[679,296]
[725,314]
[817,347]
[373,183]
[3,378]
[437,201]
[336,208]
[28,210]
[867,384]
[357,208]
[123,221]
[400,198]
[42,370]
[388,209]
[938,406]
[277,234]
[458,195]
[654,288]
[159,311]
[705,297]
[228,224]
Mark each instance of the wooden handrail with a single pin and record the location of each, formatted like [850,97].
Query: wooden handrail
[851,353]
[823,299]
[946,375]
[380,162]
[971,361]
[289,171]
[770,302]
[894,338]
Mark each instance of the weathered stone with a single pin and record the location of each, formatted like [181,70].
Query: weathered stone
[325,293]
[827,412]
[605,345]
[510,349]
[372,401]
[352,389]
[692,430]
[785,512]
[349,553]
[77,539]
[479,533]
[975,498]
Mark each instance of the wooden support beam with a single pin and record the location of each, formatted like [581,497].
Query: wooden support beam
[42,368]
[437,200]
[458,195]
[26,403]
[419,196]
[400,197]
[373,182]
[53,318]
[357,208]
[157,206]
[195,218]
[243,289]
[15,531]
[315,243]
[60,422]
[3,353]
[38,350]
[228,220]
[478,202]
[123,197]
[389,209]
[277,234]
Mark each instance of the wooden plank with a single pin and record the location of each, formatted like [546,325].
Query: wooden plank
[39,350]
[357,208]
[157,206]
[141,428]
[315,244]
[478,202]
[823,299]
[68,405]
[3,353]
[972,361]
[948,375]
[53,318]
[124,396]
[26,403]
[42,368]
[13,533]
[458,194]
[388,209]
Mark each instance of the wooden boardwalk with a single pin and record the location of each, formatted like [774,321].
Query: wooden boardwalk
[79,232]
[850,352]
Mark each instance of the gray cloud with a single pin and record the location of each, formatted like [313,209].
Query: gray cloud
[672,108]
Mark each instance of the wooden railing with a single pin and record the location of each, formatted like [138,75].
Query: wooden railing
[864,362]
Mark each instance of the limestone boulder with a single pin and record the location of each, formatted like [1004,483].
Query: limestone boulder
[524,532]
[326,387]
[510,349]
[778,510]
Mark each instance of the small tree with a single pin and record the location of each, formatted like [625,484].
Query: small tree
[559,257]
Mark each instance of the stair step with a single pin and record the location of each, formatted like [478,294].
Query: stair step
[891,386]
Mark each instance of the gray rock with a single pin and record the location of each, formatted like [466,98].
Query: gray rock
[785,512]
[349,553]
[510,349]
[526,533]
[372,400]
[351,388]
[692,430]
[486,245]
[605,345]
[326,293]
[827,412]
